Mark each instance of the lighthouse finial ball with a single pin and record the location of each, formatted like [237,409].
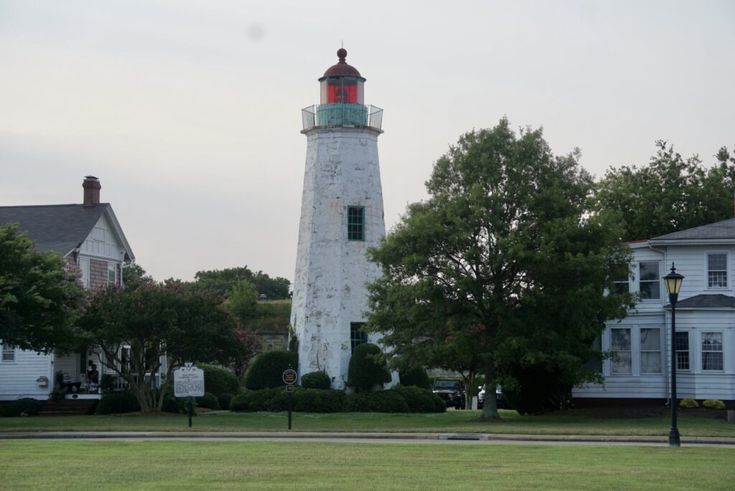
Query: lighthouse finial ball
[341,54]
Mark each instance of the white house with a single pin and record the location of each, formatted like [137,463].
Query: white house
[89,236]
[639,370]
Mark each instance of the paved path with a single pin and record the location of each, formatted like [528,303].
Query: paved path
[424,438]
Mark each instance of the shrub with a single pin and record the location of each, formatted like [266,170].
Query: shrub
[218,380]
[384,401]
[22,407]
[173,404]
[316,380]
[208,400]
[267,369]
[224,400]
[713,404]
[421,400]
[414,376]
[278,400]
[256,400]
[319,400]
[357,403]
[367,368]
[118,402]
[688,403]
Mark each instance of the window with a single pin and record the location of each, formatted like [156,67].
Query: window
[621,361]
[621,279]
[717,270]
[8,352]
[357,335]
[650,350]
[650,286]
[355,223]
[682,350]
[711,351]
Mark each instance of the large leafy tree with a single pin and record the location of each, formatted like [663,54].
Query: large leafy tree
[221,281]
[503,258]
[40,295]
[170,322]
[668,194]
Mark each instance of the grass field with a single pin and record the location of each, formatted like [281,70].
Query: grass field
[693,423]
[80,465]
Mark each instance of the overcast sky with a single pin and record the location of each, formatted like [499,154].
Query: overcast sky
[189,111]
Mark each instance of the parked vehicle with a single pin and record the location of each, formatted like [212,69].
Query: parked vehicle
[451,391]
[499,400]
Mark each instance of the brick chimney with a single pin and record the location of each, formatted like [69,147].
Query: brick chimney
[92,188]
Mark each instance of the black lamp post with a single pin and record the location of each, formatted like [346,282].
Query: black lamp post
[673,282]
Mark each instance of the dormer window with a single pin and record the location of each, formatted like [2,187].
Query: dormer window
[717,270]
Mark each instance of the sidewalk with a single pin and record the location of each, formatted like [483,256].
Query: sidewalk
[297,435]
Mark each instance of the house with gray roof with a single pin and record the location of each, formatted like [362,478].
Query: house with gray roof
[90,238]
[639,368]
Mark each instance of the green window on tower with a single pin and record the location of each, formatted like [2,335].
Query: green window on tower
[357,335]
[356,223]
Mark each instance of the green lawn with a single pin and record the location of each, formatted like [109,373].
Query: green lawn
[692,423]
[80,465]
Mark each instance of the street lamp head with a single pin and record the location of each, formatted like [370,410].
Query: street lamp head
[673,281]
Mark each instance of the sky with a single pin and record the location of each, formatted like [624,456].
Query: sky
[189,111]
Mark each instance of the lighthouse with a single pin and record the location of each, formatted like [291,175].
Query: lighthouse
[341,217]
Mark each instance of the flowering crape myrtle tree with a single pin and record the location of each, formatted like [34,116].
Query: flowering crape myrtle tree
[503,260]
[161,325]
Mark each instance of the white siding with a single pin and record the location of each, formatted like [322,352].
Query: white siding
[18,377]
[635,384]
[102,242]
[690,261]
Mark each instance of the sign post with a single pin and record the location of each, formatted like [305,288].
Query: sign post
[289,378]
[189,382]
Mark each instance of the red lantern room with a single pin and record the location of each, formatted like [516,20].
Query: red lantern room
[342,83]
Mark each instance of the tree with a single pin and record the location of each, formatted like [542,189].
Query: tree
[221,281]
[242,302]
[134,276]
[502,258]
[40,295]
[668,194]
[169,322]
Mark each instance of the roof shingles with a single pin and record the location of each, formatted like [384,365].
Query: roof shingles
[58,228]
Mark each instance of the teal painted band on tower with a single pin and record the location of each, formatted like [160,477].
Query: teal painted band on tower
[331,115]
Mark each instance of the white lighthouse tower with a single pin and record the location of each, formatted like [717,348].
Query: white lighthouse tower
[341,217]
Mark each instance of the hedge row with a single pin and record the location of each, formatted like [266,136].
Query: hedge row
[398,400]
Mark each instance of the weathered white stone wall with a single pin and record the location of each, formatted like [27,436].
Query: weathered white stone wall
[342,170]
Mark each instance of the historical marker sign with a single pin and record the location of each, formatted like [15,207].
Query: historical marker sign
[188,381]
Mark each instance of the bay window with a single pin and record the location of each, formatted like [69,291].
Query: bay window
[712,351]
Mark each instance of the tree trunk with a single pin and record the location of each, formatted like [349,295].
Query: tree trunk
[490,407]
[471,391]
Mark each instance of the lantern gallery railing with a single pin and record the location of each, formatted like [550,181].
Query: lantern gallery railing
[348,115]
